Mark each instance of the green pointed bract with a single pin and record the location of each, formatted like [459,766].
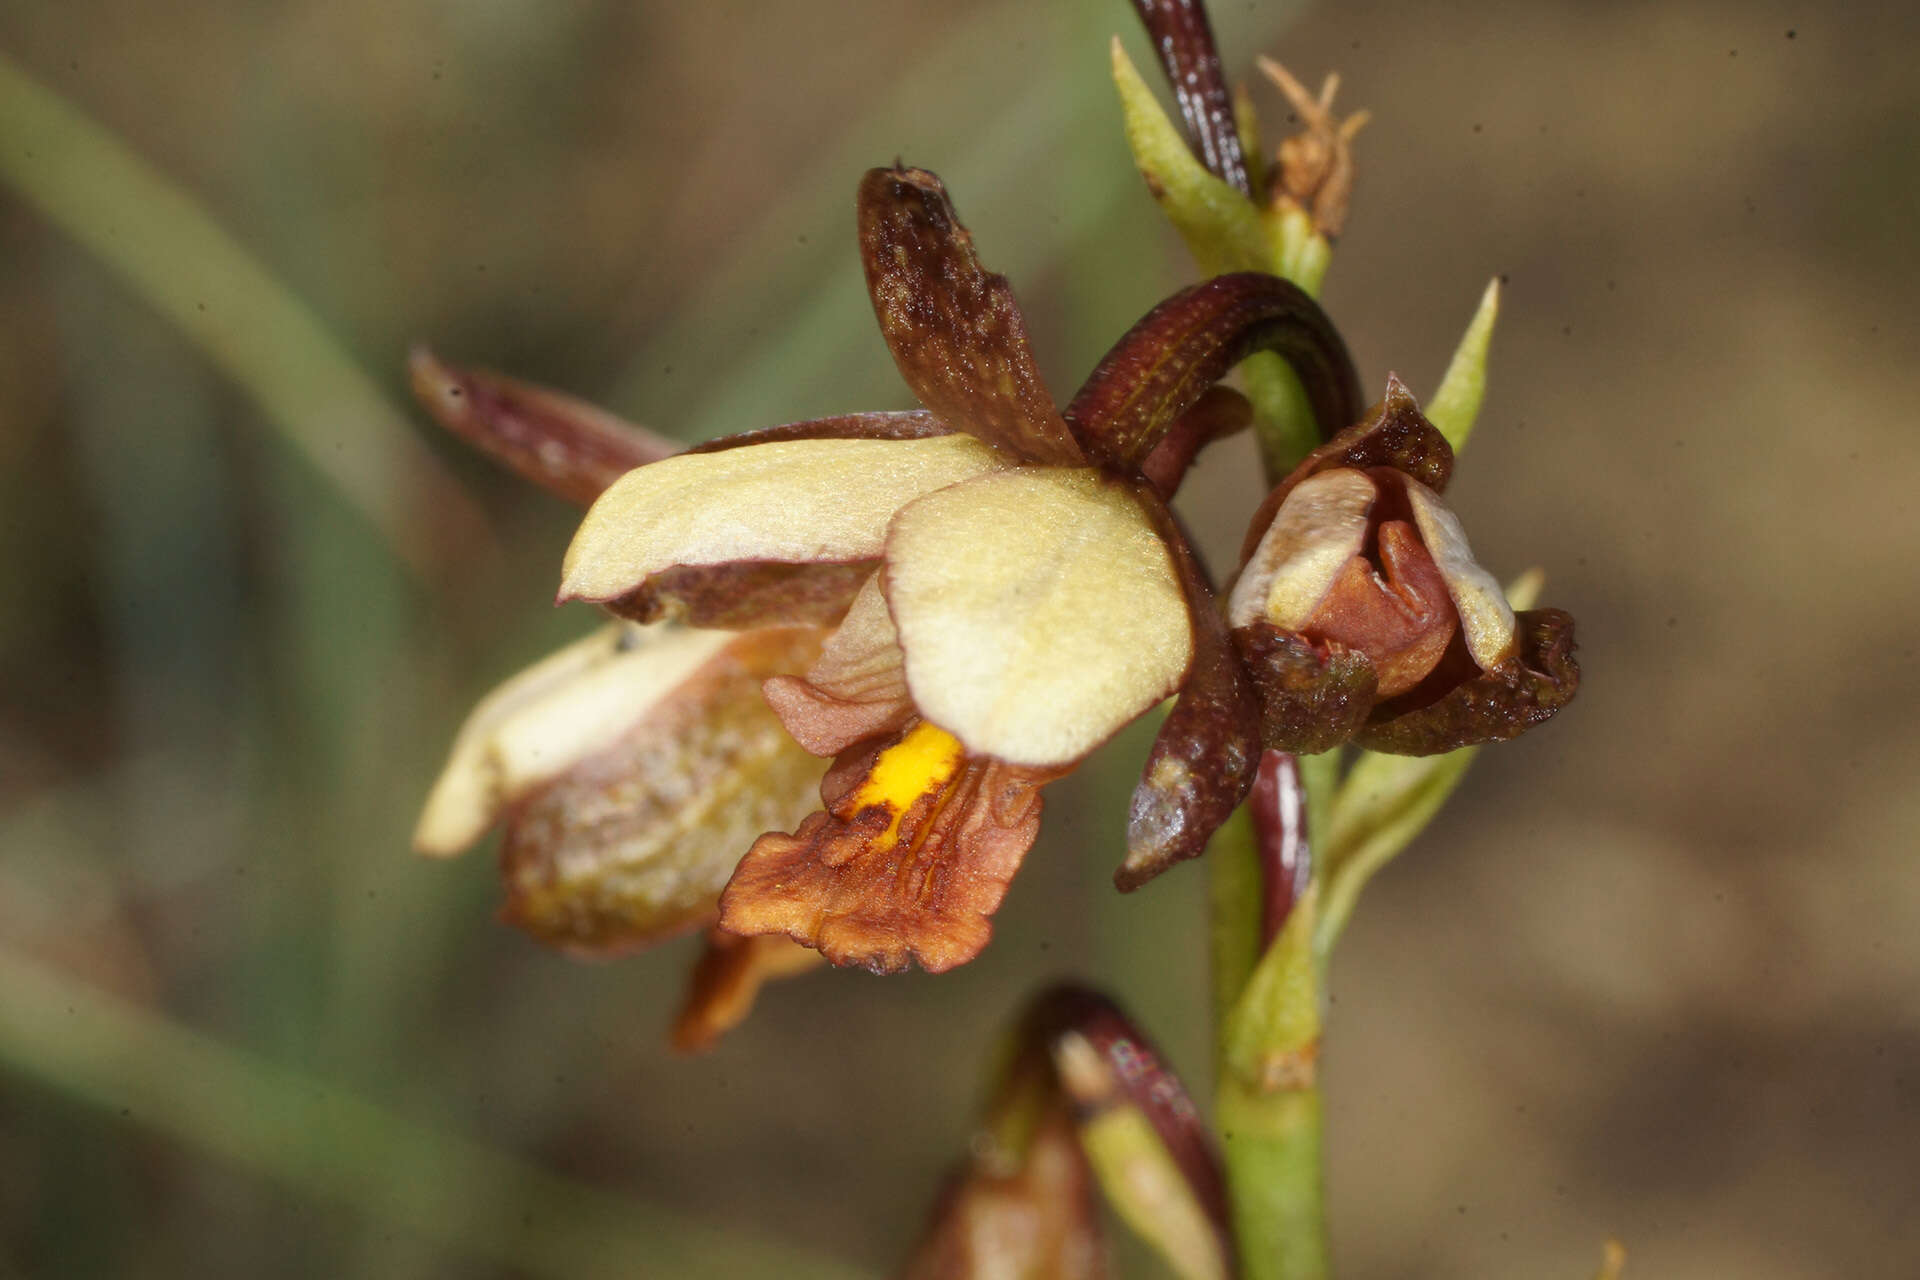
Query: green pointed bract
[1222,228]
[1273,1033]
[1383,803]
[1456,405]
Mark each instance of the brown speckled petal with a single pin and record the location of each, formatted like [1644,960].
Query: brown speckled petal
[1312,698]
[1493,707]
[953,327]
[1202,763]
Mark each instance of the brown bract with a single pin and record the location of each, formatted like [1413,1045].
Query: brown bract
[1315,166]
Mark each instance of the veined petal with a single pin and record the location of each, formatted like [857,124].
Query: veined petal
[953,327]
[550,716]
[1486,619]
[908,863]
[781,509]
[1039,611]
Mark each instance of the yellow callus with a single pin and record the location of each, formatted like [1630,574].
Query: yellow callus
[922,763]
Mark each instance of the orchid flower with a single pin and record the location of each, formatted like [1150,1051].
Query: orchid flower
[1008,585]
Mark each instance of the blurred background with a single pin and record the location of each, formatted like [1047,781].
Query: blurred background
[1655,973]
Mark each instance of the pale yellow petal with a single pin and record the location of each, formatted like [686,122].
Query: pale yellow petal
[1039,612]
[1321,525]
[1486,619]
[793,501]
[556,712]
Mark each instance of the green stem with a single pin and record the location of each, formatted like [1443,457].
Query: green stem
[322,1141]
[1272,1142]
[1267,1100]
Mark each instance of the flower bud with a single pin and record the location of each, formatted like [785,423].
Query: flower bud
[1360,605]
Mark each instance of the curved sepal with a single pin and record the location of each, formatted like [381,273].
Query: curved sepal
[1492,707]
[1163,365]
[954,329]
[1203,760]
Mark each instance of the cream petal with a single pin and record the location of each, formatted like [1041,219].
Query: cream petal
[555,713]
[1321,525]
[794,501]
[1486,619]
[1039,612]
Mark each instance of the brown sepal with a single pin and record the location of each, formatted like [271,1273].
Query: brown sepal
[1166,362]
[1312,697]
[566,446]
[1203,760]
[927,896]
[746,593]
[602,860]
[913,424]
[1183,39]
[1394,433]
[954,329]
[727,979]
[1493,706]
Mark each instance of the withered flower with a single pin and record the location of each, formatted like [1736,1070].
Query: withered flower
[1009,585]
[1362,614]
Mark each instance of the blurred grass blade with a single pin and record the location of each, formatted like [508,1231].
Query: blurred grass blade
[90,185]
[1456,404]
[321,1141]
[1384,802]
